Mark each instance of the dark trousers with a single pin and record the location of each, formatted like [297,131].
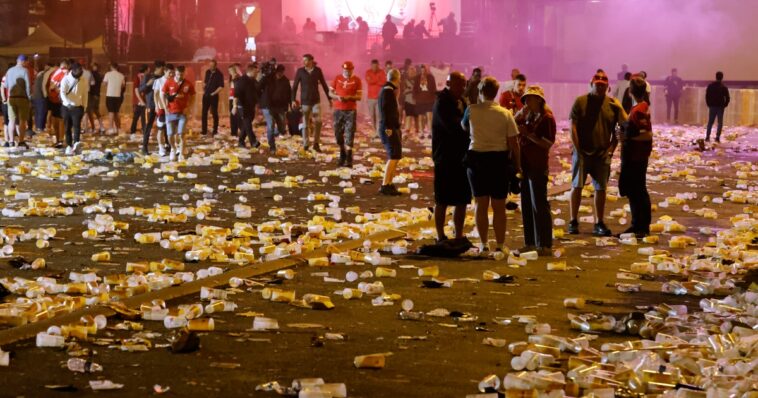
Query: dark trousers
[246,126]
[72,119]
[344,128]
[233,120]
[210,102]
[715,112]
[148,127]
[40,113]
[634,177]
[535,210]
[672,101]
[139,114]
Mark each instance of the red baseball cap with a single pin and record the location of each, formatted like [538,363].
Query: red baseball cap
[600,78]
[348,65]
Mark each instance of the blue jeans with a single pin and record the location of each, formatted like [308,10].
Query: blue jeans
[715,112]
[177,118]
[274,118]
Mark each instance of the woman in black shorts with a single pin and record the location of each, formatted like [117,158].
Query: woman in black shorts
[493,149]
[426,93]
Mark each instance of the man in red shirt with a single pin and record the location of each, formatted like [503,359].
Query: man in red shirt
[54,101]
[179,94]
[511,99]
[375,79]
[347,89]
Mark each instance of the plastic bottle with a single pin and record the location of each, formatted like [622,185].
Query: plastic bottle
[80,365]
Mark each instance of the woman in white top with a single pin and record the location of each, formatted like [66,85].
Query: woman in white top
[492,153]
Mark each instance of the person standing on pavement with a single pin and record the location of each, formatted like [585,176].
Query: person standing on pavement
[674,86]
[39,99]
[449,145]
[74,97]
[472,86]
[161,109]
[717,98]
[213,83]
[389,31]
[146,89]
[511,99]
[19,85]
[594,118]
[347,89]
[246,96]
[375,79]
[408,82]
[426,93]
[493,150]
[54,100]
[636,145]
[536,135]
[389,130]
[179,95]
[310,76]
[234,74]
[93,102]
[139,103]
[115,84]
[275,100]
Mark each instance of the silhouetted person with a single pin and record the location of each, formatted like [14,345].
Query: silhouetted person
[449,26]
[344,24]
[624,71]
[309,28]
[717,99]
[674,86]
[409,30]
[213,83]
[420,30]
[389,30]
[472,87]
[288,27]
[449,145]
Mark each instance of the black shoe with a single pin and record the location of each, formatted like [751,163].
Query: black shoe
[343,156]
[23,145]
[707,139]
[7,144]
[306,148]
[718,140]
[601,230]
[389,190]
[573,228]
[257,144]
[317,148]
[349,159]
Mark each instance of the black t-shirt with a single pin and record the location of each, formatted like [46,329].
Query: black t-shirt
[246,92]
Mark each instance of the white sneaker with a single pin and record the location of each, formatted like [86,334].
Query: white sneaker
[172,156]
[181,157]
[69,151]
[77,149]
[161,152]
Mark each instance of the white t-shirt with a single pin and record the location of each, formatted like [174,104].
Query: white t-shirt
[158,88]
[113,81]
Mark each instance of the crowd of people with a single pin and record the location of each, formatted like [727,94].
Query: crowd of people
[484,145]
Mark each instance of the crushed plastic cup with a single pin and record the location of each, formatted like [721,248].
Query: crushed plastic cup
[537,328]
[101,257]
[350,294]
[263,324]
[174,322]
[371,361]
[80,365]
[530,255]
[201,325]
[574,302]
[557,266]
[489,383]
[220,306]
[432,271]
[49,340]
[288,274]
[382,272]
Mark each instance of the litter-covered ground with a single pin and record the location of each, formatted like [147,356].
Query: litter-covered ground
[669,315]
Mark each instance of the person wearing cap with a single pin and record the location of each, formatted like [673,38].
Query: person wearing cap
[389,130]
[493,150]
[375,80]
[536,135]
[18,83]
[636,146]
[449,145]
[310,76]
[275,100]
[74,97]
[594,117]
[347,89]
[511,99]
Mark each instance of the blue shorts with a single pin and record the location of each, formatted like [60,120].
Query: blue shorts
[393,144]
[598,167]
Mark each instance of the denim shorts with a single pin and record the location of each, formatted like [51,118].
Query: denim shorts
[598,167]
